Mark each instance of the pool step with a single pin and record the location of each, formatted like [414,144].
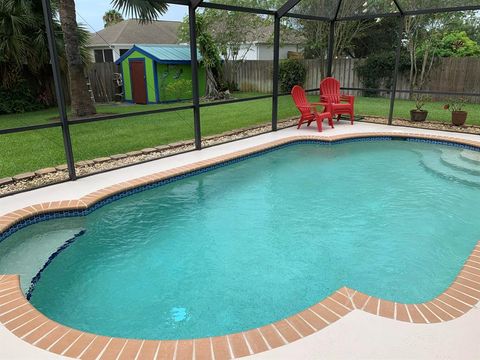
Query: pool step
[471,156]
[433,162]
[456,160]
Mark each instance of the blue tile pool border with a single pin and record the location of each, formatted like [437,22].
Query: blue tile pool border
[122,194]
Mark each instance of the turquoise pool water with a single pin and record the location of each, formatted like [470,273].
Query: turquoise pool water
[255,242]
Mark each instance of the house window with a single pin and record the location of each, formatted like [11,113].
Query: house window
[108,55]
[98,56]
[103,56]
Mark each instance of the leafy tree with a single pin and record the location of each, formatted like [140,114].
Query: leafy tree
[82,104]
[211,58]
[471,25]
[379,38]
[458,44]
[468,21]
[424,40]
[234,32]
[375,38]
[316,33]
[377,70]
[377,47]
[112,17]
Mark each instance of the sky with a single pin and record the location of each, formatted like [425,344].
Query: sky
[90,13]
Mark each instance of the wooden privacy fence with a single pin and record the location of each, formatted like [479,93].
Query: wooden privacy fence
[102,81]
[100,78]
[251,76]
[256,75]
[459,75]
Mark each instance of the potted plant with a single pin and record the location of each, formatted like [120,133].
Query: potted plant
[418,114]
[459,116]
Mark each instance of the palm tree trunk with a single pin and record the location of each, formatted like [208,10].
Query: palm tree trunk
[82,104]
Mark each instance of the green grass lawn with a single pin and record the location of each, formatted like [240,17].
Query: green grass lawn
[32,150]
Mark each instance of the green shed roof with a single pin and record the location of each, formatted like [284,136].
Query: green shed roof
[163,54]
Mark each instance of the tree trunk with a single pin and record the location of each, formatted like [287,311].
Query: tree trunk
[323,66]
[410,80]
[211,92]
[413,60]
[82,104]
[410,32]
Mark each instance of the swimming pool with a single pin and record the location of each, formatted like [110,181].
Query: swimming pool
[257,241]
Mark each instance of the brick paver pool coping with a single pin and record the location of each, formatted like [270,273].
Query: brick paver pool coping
[27,323]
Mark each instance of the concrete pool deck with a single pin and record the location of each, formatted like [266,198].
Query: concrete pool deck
[358,335]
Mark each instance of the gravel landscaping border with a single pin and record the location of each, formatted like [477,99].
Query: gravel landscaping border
[59,173]
[432,125]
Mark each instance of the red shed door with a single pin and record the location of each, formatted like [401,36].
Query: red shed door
[139,86]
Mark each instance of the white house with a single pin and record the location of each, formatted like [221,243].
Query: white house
[260,44]
[109,44]
[262,51]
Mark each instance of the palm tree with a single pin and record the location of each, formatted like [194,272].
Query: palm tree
[24,61]
[144,10]
[21,40]
[112,17]
[82,104]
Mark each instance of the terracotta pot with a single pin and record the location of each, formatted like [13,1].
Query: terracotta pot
[459,118]
[418,115]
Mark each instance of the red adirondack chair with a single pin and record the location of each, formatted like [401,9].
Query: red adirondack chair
[308,110]
[338,104]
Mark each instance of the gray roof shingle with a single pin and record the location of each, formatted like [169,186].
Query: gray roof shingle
[132,32]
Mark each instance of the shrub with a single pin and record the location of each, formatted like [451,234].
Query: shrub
[458,44]
[180,89]
[378,70]
[18,99]
[292,72]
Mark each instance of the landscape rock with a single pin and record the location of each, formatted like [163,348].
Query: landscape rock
[180,143]
[6,181]
[101,160]
[45,171]
[24,176]
[84,163]
[118,156]
[134,153]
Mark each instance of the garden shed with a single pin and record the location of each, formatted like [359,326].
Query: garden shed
[158,73]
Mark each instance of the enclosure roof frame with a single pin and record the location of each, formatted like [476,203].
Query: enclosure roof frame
[284,10]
